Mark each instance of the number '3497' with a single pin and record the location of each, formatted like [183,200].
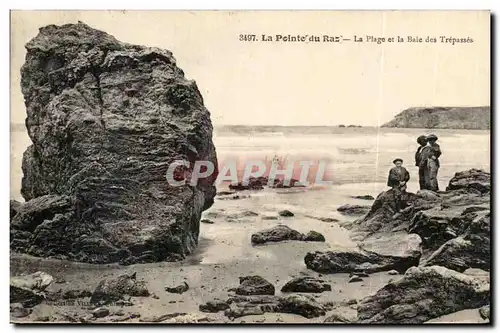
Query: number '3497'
[247,38]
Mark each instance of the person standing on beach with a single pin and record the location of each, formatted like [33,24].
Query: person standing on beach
[398,177]
[433,162]
[421,157]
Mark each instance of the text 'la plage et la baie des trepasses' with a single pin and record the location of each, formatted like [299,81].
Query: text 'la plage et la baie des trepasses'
[367,38]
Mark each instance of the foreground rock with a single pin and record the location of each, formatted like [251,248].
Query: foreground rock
[306,284]
[180,289]
[471,179]
[106,118]
[18,311]
[114,289]
[364,197]
[424,293]
[485,312]
[470,250]
[214,306]
[353,209]
[398,251]
[29,290]
[282,233]
[254,285]
[301,304]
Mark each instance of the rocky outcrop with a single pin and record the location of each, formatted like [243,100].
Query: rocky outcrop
[470,250]
[443,117]
[424,293]
[254,285]
[179,289]
[471,179]
[306,284]
[353,209]
[281,233]
[349,261]
[301,304]
[29,290]
[106,120]
[115,289]
[454,226]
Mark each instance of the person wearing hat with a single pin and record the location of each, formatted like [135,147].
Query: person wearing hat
[421,156]
[433,162]
[398,177]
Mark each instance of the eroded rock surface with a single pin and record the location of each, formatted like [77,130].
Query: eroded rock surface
[107,119]
[282,233]
[306,284]
[424,293]
[115,289]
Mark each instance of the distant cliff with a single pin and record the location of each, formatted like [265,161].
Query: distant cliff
[443,117]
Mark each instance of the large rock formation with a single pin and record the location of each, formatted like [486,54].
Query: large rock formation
[422,294]
[443,117]
[106,120]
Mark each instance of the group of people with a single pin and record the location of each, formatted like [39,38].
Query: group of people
[427,161]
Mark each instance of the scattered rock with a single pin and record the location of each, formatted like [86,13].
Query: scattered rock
[207,221]
[359,273]
[114,289]
[93,178]
[424,293]
[300,304]
[358,261]
[471,179]
[306,284]
[392,272]
[282,233]
[123,303]
[243,311]
[314,236]
[278,233]
[364,197]
[355,278]
[470,250]
[158,319]
[214,306]
[254,285]
[18,311]
[338,318]
[182,288]
[100,312]
[485,312]
[324,219]
[126,317]
[286,213]
[29,289]
[353,209]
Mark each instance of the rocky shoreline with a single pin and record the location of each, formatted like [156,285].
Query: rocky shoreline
[432,260]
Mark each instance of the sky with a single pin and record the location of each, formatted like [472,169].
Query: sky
[271,83]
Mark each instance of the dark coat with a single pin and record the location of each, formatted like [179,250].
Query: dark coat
[435,150]
[397,175]
[417,155]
